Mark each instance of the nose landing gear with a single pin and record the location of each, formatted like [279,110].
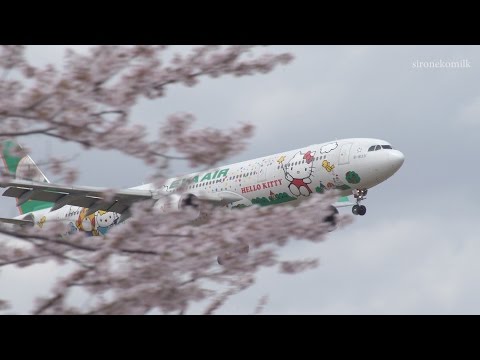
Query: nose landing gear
[359,195]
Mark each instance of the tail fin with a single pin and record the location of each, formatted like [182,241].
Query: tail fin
[21,166]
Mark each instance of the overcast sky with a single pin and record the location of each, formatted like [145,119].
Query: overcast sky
[416,250]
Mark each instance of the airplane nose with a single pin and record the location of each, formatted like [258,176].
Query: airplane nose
[396,159]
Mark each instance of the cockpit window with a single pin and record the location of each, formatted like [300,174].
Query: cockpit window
[379,147]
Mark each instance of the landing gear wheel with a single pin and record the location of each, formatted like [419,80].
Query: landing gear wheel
[355,209]
[362,210]
[359,195]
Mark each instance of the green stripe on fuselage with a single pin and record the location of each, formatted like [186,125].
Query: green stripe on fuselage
[35,205]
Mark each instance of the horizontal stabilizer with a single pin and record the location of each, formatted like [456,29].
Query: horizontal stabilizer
[17,222]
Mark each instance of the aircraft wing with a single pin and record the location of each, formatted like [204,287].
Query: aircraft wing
[344,201]
[93,198]
[83,196]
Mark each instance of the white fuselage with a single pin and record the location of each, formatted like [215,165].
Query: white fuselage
[290,176]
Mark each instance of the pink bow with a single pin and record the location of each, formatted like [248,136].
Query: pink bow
[308,157]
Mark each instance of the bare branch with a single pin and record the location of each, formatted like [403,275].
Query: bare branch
[51,302]
[25,259]
[31,132]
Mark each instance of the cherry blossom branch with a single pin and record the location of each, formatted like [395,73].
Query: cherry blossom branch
[23,133]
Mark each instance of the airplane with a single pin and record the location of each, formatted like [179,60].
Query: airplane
[350,166]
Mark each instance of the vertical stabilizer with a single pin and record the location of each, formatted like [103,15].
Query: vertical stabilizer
[21,166]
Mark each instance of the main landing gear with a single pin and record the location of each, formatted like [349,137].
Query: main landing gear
[359,195]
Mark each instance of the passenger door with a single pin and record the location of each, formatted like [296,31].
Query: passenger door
[344,157]
[262,169]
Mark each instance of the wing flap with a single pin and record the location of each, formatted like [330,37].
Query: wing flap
[99,205]
[48,196]
[118,207]
[15,192]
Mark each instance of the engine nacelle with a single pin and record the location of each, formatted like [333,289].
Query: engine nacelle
[189,201]
[179,203]
[332,218]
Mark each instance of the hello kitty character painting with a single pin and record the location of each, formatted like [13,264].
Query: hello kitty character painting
[298,172]
[105,220]
[86,223]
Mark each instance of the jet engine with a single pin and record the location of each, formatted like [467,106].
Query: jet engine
[187,202]
[332,218]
